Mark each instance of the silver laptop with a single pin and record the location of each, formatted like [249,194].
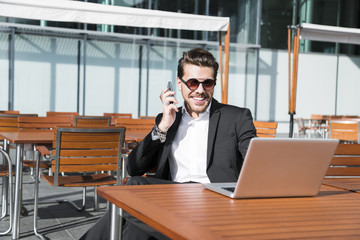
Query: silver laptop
[280,167]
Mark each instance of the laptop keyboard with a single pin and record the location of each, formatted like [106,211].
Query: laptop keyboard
[231,189]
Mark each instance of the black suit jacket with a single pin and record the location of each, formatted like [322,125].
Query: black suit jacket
[230,131]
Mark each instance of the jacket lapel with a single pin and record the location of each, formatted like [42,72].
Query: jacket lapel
[213,126]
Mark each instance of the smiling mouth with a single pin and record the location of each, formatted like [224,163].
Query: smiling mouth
[199,100]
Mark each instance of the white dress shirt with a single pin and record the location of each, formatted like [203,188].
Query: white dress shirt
[189,149]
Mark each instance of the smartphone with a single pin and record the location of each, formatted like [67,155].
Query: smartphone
[170,87]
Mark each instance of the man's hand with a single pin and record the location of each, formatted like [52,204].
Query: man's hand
[169,109]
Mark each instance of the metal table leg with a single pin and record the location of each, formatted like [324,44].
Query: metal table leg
[116,223]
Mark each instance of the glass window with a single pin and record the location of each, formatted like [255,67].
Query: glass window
[275,17]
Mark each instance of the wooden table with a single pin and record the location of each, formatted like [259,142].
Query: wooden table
[19,139]
[188,211]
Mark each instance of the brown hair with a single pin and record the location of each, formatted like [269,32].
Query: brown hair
[199,57]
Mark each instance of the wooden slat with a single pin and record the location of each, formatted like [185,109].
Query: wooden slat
[265,135]
[86,168]
[8,129]
[94,137]
[343,171]
[63,114]
[345,161]
[82,181]
[87,160]
[85,152]
[82,145]
[266,131]
[348,149]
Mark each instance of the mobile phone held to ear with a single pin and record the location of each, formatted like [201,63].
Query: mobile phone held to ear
[170,88]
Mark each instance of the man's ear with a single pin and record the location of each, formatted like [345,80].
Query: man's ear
[178,83]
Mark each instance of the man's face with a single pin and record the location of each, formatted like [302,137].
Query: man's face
[196,101]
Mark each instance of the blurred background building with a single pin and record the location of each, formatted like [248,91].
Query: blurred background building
[92,69]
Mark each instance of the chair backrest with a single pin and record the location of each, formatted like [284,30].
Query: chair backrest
[27,123]
[117,115]
[345,131]
[9,112]
[147,117]
[92,121]
[63,114]
[87,150]
[265,129]
[345,162]
[136,124]
[8,123]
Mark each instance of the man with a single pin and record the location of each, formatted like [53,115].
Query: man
[202,141]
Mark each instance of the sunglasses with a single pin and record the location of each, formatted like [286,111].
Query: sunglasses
[193,83]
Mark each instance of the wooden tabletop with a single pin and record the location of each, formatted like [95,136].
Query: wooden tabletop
[187,211]
[31,137]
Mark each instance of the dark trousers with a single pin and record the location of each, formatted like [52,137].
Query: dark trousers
[132,228]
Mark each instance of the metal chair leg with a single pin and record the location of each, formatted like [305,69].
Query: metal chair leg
[6,156]
[4,196]
[36,197]
[96,200]
[74,205]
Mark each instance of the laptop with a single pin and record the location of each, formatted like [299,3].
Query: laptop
[280,167]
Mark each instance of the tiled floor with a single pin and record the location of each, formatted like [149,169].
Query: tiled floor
[56,220]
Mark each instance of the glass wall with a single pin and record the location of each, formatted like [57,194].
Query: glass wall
[277,15]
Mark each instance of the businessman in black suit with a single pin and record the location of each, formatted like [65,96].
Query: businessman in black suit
[202,141]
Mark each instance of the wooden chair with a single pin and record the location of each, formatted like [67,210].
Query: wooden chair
[7,173]
[117,115]
[83,152]
[265,129]
[306,128]
[345,131]
[92,121]
[137,124]
[346,162]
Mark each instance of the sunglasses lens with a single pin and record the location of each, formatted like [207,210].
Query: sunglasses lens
[208,84]
[193,83]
